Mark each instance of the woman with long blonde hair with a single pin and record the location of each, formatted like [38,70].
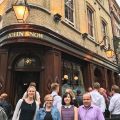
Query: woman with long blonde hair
[26,108]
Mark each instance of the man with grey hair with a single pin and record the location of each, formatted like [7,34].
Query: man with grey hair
[97,98]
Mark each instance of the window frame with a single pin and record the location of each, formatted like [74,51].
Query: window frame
[68,16]
[104,31]
[90,21]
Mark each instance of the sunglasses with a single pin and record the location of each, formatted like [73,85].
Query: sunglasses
[49,100]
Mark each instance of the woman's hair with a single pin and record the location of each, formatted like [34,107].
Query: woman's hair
[64,96]
[47,97]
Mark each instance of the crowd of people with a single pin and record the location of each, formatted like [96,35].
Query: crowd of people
[94,104]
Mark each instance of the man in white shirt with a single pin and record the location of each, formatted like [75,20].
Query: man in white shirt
[57,99]
[114,106]
[97,98]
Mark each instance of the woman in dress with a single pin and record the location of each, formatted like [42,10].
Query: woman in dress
[26,108]
[68,110]
[48,112]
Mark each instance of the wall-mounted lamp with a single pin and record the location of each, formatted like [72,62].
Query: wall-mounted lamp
[75,77]
[109,52]
[65,77]
[21,10]
[57,17]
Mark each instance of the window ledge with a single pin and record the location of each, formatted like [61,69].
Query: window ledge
[92,39]
[66,23]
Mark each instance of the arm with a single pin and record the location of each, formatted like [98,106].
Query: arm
[36,116]
[59,102]
[38,97]
[75,113]
[100,115]
[58,114]
[111,105]
[103,104]
[17,110]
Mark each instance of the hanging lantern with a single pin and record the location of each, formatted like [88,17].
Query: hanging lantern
[21,10]
[109,52]
[65,77]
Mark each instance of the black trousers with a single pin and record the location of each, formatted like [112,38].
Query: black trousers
[115,117]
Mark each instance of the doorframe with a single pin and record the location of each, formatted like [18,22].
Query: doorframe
[11,74]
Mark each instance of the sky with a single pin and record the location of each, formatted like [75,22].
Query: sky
[118,1]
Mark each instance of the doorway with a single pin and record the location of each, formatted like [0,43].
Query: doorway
[22,81]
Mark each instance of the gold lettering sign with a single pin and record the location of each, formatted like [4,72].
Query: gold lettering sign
[25,34]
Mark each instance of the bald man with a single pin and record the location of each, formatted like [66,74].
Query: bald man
[87,111]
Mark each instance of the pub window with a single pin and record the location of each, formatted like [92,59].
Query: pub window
[69,10]
[90,21]
[72,77]
[104,31]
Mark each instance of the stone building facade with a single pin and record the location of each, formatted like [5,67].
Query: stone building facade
[69,50]
[115,19]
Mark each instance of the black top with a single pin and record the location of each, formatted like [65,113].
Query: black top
[48,116]
[27,111]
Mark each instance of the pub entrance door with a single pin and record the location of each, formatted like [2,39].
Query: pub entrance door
[22,81]
[26,70]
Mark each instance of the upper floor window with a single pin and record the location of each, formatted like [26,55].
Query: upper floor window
[118,32]
[69,10]
[90,21]
[104,32]
[101,1]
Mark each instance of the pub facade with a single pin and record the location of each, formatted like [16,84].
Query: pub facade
[64,50]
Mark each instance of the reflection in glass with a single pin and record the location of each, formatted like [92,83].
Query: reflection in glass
[72,77]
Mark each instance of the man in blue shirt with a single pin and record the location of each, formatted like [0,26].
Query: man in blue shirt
[57,99]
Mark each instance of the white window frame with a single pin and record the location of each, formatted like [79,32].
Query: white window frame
[90,22]
[104,32]
[69,8]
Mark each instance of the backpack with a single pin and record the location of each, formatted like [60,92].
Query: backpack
[3,115]
[79,100]
[7,108]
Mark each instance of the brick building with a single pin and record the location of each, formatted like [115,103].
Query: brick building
[69,50]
